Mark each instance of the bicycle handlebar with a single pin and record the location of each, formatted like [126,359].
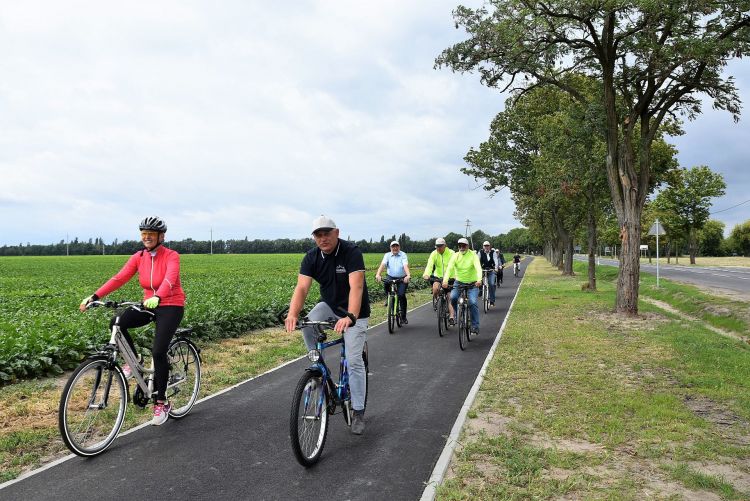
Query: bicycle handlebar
[136,305]
[304,322]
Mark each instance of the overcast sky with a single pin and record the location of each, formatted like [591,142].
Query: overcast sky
[251,118]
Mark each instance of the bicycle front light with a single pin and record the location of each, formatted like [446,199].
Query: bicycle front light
[313,355]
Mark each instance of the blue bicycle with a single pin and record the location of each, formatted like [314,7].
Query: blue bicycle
[317,395]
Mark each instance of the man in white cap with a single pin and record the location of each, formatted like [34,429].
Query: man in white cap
[339,268]
[465,267]
[489,265]
[435,269]
[396,265]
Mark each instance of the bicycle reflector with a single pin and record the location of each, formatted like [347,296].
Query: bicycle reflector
[313,355]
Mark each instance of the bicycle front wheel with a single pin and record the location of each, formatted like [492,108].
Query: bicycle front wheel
[441,317]
[92,407]
[308,421]
[486,297]
[366,358]
[391,314]
[463,326]
[184,377]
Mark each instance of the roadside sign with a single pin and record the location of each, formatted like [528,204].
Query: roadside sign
[644,247]
[657,229]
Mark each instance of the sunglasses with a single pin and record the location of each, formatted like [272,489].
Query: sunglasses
[149,233]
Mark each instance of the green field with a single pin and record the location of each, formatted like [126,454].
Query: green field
[43,333]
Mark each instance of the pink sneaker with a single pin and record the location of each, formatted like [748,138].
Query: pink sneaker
[161,413]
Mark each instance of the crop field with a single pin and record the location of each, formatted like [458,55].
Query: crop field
[43,333]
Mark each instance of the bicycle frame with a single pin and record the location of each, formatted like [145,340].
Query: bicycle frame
[339,391]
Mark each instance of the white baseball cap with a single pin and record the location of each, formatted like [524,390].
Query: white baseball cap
[440,241]
[395,243]
[486,243]
[322,223]
[463,241]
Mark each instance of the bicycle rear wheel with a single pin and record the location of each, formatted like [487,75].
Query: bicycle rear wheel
[92,407]
[463,325]
[308,421]
[486,296]
[184,377]
[441,317]
[391,314]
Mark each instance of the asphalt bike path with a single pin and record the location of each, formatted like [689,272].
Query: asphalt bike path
[732,278]
[236,445]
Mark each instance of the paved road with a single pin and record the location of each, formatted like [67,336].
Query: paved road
[736,279]
[236,446]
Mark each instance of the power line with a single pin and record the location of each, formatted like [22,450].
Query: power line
[728,208]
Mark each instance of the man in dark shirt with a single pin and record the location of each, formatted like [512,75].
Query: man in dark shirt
[339,268]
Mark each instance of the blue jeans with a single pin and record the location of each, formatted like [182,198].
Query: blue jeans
[473,305]
[354,341]
[492,282]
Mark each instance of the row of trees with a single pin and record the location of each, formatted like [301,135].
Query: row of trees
[595,87]
[516,240]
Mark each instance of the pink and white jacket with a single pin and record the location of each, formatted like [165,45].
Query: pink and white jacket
[159,275]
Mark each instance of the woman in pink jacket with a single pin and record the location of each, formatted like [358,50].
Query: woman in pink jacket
[158,271]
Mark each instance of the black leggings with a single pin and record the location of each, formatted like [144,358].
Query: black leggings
[167,319]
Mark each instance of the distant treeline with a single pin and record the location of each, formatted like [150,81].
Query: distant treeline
[516,240]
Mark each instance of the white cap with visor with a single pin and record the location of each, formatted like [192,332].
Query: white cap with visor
[323,223]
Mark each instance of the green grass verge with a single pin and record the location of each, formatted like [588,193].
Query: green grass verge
[581,403]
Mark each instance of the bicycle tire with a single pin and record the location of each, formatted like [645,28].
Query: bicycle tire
[463,330]
[308,420]
[92,407]
[184,380]
[391,315]
[486,297]
[366,358]
[442,322]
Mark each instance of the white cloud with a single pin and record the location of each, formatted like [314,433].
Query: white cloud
[249,118]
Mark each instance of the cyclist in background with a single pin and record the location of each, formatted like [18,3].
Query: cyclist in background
[465,267]
[436,265]
[396,265]
[488,263]
[339,268]
[500,265]
[517,262]
[158,271]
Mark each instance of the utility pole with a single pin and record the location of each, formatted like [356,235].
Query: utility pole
[212,241]
[100,238]
[67,244]
[467,233]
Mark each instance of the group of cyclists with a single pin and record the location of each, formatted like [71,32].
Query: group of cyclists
[339,268]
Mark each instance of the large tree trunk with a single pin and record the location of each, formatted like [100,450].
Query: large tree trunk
[568,270]
[592,247]
[692,244]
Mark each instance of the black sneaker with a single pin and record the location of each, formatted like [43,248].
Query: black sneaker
[474,331]
[404,321]
[492,303]
[358,422]
[451,321]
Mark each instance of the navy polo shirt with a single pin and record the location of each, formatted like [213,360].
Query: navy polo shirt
[332,271]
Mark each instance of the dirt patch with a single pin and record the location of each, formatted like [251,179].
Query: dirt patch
[621,323]
[489,423]
[712,411]
[667,307]
[568,445]
[658,488]
[731,474]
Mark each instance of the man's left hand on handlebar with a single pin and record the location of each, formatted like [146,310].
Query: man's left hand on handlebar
[479,283]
